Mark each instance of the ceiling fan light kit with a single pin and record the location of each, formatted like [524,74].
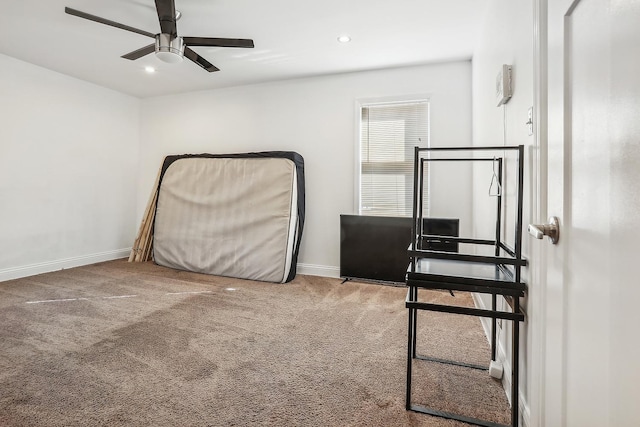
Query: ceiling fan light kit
[169,50]
[168,46]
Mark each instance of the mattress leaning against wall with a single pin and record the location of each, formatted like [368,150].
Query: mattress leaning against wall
[235,215]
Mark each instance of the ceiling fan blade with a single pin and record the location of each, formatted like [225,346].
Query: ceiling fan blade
[212,41]
[167,16]
[100,20]
[190,54]
[140,52]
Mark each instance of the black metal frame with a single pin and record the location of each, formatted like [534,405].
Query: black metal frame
[505,280]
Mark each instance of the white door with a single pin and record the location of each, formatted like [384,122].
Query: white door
[590,369]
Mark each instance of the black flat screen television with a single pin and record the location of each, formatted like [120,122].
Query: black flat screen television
[375,247]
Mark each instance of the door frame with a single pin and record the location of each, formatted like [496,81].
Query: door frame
[549,303]
[538,296]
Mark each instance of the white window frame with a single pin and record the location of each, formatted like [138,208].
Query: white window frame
[365,102]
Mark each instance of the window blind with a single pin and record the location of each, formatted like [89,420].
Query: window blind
[388,135]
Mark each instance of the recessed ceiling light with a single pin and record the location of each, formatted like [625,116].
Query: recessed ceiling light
[150,69]
[344,39]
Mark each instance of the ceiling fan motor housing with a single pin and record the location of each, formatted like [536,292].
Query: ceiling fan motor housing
[169,48]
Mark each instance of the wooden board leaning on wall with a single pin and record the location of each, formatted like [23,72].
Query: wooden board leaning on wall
[141,250]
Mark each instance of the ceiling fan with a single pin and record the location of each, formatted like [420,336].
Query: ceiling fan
[168,47]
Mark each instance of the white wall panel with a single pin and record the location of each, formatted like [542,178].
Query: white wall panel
[68,162]
[313,116]
[506,38]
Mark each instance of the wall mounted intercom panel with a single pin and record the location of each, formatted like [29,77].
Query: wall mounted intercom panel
[503,85]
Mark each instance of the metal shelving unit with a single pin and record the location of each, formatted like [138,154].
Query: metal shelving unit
[495,274]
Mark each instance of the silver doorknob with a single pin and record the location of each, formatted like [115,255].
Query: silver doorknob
[551,230]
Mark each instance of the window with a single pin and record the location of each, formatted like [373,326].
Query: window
[388,134]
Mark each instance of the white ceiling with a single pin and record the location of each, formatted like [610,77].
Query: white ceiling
[293,38]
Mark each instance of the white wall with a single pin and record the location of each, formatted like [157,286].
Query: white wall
[506,38]
[313,116]
[68,170]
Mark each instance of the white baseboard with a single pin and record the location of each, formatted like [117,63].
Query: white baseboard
[319,270]
[501,356]
[61,264]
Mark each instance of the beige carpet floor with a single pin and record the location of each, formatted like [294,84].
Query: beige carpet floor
[119,343]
